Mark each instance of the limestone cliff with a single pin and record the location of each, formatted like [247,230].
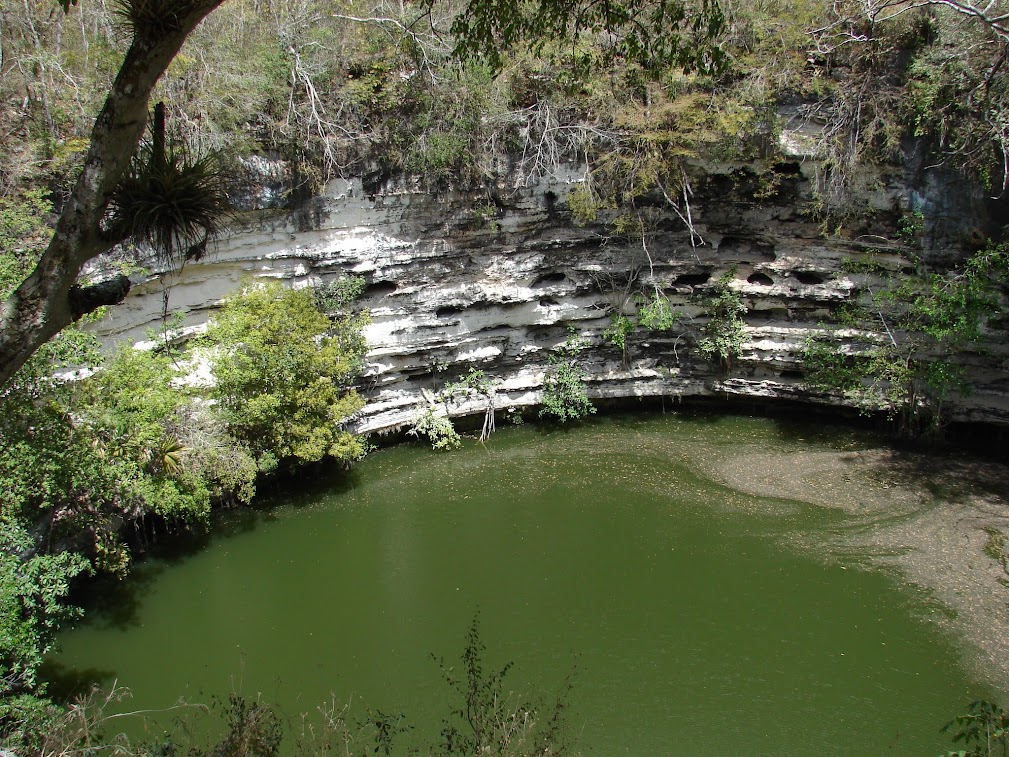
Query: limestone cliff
[494,279]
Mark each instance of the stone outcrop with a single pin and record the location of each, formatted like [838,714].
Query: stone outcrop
[494,280]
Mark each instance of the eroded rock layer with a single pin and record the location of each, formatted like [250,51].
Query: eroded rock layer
[495,280]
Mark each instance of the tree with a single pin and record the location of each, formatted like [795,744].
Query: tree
[725,331]
[659,32]
[31,609]
[51,297]
[929,69]
[984,731]
[989,13]
[564,395]
[654,33]
[284,373]
[902,350]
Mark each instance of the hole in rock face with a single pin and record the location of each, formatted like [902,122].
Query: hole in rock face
[730,244]
[767,314]
[547,279]
[447,310]
[760,278]
[379,289]
[747,249]
[692,279]
[720,184]
[550,200]
[549,302]
[417,373]
[791,374]
[788,168]
[808,277]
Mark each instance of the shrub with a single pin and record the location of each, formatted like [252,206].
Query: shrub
[984,731]
[283,376]
[564,395]
[437,427]
[656,313]
[725,332]
[904,357]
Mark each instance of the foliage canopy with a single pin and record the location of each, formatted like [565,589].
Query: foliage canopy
[284,375]
[902,350]
[654,34]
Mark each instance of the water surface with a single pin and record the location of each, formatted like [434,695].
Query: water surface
[695,623]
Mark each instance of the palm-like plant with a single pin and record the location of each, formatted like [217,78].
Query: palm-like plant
[172,200]
[167,455]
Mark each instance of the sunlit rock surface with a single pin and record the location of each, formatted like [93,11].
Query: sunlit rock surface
[494,280]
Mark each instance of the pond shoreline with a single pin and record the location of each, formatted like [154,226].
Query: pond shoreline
[700,595]
[924,510]
[921,509]
[926,518]
[988,440]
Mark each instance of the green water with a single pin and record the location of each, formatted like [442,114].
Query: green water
[693,621]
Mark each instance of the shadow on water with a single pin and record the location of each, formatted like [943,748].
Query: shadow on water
[230,523]
[547,429]
[304,488]
[632,410]
[839,433]
[112,603]
[66,683]
[954,474]
[954,477]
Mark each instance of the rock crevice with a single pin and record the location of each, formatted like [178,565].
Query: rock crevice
[452,285]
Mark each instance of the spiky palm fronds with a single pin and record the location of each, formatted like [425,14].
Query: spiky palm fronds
[152,17]
[172,201]
[168,454]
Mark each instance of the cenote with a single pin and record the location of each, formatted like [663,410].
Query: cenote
[697,618]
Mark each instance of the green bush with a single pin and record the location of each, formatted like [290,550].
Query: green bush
[135,412]
[725,331]
[904,357]
[437,427]
[56,468]
[619,329]
[33,591]
[284,376]
[656,313]
[983,730]
[564,395]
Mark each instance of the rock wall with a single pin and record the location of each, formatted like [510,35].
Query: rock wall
[494,280]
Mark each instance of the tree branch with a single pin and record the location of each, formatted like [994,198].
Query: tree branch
[43,304]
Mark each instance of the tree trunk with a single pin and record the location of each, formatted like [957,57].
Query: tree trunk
[48,300]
